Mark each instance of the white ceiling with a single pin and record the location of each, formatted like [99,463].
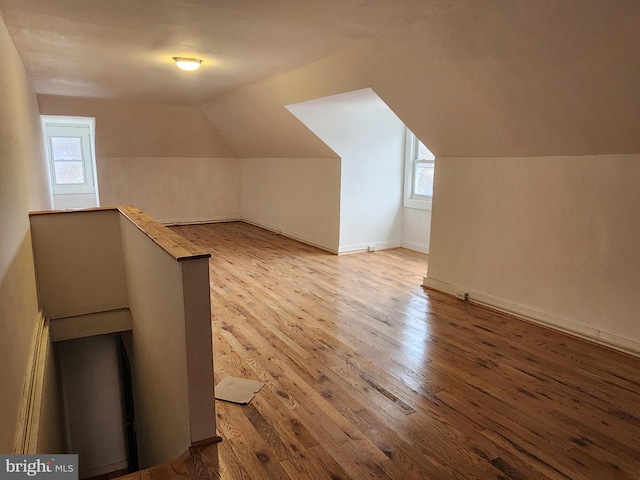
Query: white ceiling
[469,77]
[124,48]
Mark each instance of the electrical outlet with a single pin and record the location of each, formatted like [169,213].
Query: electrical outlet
[462,295]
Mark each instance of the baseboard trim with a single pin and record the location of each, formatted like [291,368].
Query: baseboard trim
[370,247]
[27,428]
[303,238]
[200,221]
[290,234]
[416,247]
[584,332]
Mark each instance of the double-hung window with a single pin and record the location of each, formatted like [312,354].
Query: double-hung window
[69,150]
[419,168]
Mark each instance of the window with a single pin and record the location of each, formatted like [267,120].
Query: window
[69,147]
[418,173]
[67,159]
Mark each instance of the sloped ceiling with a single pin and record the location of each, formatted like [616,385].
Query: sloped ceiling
[124,48]
[470,78]
[495,79]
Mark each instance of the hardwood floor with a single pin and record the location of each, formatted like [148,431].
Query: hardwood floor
[367,375]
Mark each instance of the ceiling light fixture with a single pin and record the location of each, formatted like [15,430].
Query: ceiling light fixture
[188,64]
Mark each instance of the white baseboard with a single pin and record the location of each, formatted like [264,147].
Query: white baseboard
[541,318]
[302,238]
[291,234]
[368,246]
[416,247]
[200,221]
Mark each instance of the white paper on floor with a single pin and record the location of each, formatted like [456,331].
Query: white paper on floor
[237,390]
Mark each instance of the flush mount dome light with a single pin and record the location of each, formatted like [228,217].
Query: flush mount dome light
[188,64]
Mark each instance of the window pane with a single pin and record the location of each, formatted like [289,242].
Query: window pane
[423,179]
[66,148]
[422,152]
[69,173]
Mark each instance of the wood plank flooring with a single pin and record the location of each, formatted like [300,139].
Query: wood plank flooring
[367,375]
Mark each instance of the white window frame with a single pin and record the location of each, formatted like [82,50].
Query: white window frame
[91,175]
[411,163]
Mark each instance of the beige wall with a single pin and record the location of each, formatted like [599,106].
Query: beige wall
[127,129]
[173,190]
[298,197]
[80,262]
[199,341]
[51,434]
[94,261]
[168,160]
[23,183]
[159,354]
[554,238]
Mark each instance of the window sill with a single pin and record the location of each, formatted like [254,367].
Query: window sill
[417,204]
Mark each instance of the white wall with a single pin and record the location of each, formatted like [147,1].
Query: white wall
[416,229]
[298,197]
[369,138]
[84,200]
[173,189]
[553,238]
[23,187]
